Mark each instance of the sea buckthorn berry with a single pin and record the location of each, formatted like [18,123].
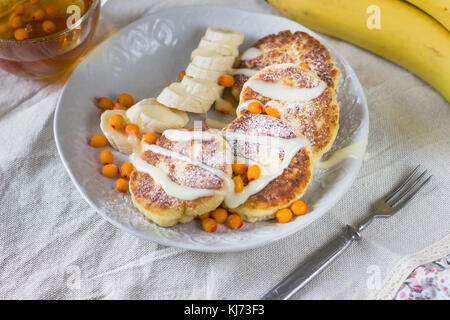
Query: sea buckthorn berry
[116,121]
[209,225]
[220,215]
[238,184]
[255,107]
[119,106]
[181,75]
[98,141]
[234,221]
[38,15]
[48,26]
[273,112]
[299,208]
[304,66]
[34,1]
[104,103]
[121,185]
[226,80]
[21,34]
[51,10]
[20,10]
[126,99]
[131,130]
[284,215]
[126,169]
[149,138]
[110,170]
[106,157]
[239,167]
[253,172]
[204,216]
[16,22]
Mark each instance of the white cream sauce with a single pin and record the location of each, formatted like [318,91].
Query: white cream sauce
[250,53]
[244,71]
[286,93]
[354,151]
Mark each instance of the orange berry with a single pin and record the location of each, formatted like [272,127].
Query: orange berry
[20,10]
[238,184]
[51,11]
[299,208]
[110,170]
[209,225]
[220,215]
[125,99]
[273,112]
[21,34]
[181,75]
[104,103]
[98,141]
[284,215]
[226,80]
[149,138]
[116,121]
[234,221]
[48,26]
[304,66]
[34,1]
[126,169]
[253,172]
[38,15]
[16,22]
[131,130]
[204,216]
[106,157]
[255,107]
[239,167]
[121,185]
[119,106]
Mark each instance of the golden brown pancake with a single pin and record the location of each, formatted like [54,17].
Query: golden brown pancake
[287,187]
[151,199]
[316,119]
[285,47]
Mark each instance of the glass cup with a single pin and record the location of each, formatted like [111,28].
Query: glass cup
[50,55]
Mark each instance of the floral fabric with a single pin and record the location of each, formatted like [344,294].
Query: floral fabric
[428,282]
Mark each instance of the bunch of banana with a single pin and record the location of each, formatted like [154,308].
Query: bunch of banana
[213,58]
[393,29]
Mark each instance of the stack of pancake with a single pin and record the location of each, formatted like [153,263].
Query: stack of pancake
[293,73]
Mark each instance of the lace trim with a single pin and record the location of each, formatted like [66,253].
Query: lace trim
[408,264]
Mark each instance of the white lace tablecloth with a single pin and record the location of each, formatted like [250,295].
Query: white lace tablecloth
[54,246]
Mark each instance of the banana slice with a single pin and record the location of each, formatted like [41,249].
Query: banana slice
[224,106]
[224,35]
[205,89]
[117,139]
[209,58]
[226,48]
[176,97]
[195,71]
[151,116]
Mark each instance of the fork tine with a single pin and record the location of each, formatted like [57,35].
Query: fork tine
[403,193]
[401,185]
[404,202]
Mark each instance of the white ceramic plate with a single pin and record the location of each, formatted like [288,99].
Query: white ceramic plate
[142,59]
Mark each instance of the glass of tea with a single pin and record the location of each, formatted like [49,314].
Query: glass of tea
[42,38]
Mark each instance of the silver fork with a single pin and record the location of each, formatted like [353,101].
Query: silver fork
[383,208]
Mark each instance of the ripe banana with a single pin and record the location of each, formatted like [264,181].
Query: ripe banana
[438,9]
[226,48]
[152,116]
[208,59]
[204,89]
[407,36]
[117,139]
[197,72]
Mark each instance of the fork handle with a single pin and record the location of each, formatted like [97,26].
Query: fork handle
[312,266]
